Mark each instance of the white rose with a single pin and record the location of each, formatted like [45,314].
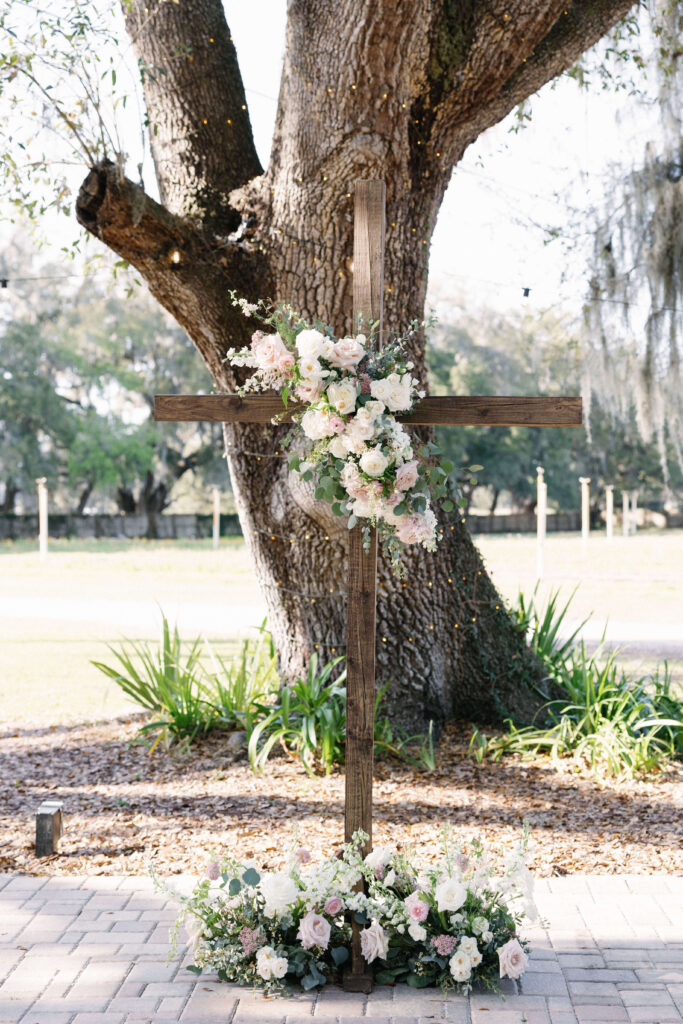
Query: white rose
[353,444]
[310,369]
[342,396]
[460,966]
[374,942]
[279,966]
[393,390]
[373,462]
[347,352]
[479,925]
[314,930]
[337,447]
[513,960]
[279,891]
[264,962]
[316,424]
[486,937]
[417,932]
[450,894]
[311,344]
[468,945]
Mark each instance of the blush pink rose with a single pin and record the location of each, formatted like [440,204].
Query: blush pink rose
[412,529]
[417,908]
[285,364]
[406,476]
[309,391]
[333,906]
[347,353]
[270,351]
[513,960]
[314,930]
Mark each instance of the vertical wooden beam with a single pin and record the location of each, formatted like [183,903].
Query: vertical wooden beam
[368,271]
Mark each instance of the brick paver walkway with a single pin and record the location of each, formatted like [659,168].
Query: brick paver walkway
[93,951]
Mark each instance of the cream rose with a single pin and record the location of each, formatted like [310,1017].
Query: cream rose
[513,960]
[310,369]
[373,462]
[309,391]
[312,344]
[316,424]
[417,932]
[347,352]
[374,942]
[270,352]
[337,447]
[342,396]
[450,894]
[279,891]
[314,930]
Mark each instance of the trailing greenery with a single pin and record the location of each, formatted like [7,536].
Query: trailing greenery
[602,719]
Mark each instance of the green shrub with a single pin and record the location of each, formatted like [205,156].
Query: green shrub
[614,724]
[165,683]
[249,678]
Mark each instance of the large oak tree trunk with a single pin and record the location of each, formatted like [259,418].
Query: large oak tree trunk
[373,90]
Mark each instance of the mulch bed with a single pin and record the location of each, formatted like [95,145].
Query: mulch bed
[125,806]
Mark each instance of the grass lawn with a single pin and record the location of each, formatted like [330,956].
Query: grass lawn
[57,616]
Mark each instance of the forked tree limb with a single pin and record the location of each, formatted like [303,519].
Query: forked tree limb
[187,275]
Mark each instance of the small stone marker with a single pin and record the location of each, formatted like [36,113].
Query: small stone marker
[49,827]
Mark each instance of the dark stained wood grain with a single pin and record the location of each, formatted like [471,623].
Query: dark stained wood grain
[368,252]
[465,410]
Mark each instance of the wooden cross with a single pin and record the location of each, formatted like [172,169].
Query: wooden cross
[368,260]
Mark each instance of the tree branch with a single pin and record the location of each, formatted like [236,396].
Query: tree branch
[201,136]
[525,53]
[187,276]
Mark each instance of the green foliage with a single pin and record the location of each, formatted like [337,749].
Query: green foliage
[613,724]
[165,683]
[308,720]
[250,677]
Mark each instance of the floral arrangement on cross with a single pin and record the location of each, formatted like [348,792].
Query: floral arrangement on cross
[363,461]
[450,923]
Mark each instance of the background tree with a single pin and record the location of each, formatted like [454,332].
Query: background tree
[368,90]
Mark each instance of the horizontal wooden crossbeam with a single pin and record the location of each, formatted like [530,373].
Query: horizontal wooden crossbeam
[457,410]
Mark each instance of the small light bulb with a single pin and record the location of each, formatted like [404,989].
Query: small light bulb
[175,256]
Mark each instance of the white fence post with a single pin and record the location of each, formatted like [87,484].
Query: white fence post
[541,512]
[634,511]
[216,516]
[624,512]
[585,508]
[42,517]
[609,510]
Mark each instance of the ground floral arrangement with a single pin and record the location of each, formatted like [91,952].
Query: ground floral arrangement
[450,924]
[362,460]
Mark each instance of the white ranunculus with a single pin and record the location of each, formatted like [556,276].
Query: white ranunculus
[342,396]
[393,390]
[513,960]
[337,447]
[373,462]
[279,892]
[314,930]
[312,344]
[374,942]
[417,932]
[460,966]
[468,944]
[450,894]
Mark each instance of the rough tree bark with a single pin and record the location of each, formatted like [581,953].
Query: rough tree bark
[369,89]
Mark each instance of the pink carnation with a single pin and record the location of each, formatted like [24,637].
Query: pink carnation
[406,476]
[213,870]
[444,944]
[337,424]
[333,906]
[302,855]
[417,908]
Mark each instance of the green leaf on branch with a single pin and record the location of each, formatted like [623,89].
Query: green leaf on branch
[340,955]
[235,886]
[251,877]
[447,505]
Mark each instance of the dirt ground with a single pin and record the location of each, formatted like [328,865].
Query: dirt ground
[125,806]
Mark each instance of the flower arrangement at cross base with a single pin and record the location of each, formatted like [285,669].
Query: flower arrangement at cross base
[363,461]
[449,924]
